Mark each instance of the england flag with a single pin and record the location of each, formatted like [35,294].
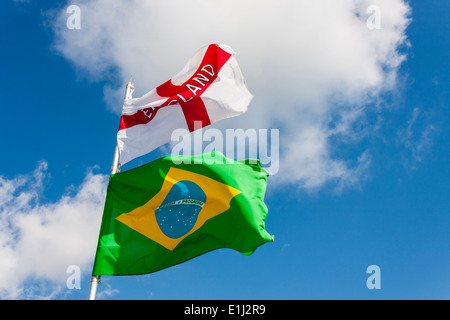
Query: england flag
[210,88]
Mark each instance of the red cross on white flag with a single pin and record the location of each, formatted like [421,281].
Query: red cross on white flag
[210,88]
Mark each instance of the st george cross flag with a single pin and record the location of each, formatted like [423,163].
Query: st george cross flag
[210,88]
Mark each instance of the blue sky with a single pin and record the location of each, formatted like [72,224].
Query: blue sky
[364,168]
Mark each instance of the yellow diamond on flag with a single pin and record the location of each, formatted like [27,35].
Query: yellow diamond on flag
[168,220]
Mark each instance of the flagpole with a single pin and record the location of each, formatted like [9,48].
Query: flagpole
[115,168]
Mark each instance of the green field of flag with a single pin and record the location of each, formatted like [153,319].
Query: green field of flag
[162,214]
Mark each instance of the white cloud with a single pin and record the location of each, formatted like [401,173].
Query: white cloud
[418,136]
[107,291]
[313,66]
[40,240]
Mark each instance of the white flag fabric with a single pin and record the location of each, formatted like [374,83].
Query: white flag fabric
[210,88]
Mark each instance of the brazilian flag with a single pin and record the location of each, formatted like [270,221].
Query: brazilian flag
[178,207]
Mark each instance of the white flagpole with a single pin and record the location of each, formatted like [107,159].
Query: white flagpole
[115,168]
